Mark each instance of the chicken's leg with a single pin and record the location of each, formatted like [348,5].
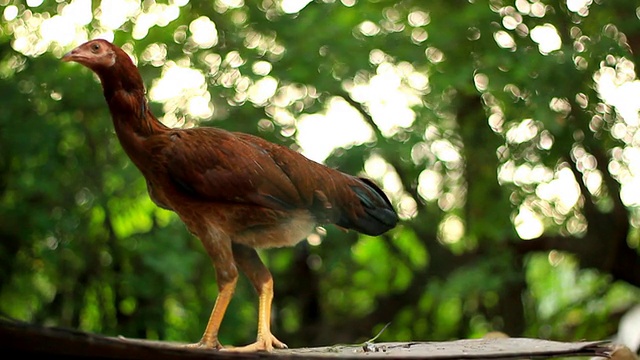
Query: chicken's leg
[210,336]
[249,262]
[219,249]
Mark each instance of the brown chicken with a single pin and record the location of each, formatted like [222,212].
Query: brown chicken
[235,192]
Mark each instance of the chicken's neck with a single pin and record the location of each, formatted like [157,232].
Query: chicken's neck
[133,121]
[125,95]
[130,113]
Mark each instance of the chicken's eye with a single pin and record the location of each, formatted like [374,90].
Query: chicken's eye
[95,47]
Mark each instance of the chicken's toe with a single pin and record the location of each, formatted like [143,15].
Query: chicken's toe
[264,343]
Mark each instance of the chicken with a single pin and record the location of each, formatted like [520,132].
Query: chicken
[235,192]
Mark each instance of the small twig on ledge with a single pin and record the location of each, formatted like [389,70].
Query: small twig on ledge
[368,345]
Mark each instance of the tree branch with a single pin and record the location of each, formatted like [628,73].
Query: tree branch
[363,112]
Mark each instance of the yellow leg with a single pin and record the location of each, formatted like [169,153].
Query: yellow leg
[210,336]
[250,263]
[219,249]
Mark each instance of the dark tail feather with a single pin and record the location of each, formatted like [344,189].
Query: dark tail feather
[379,214]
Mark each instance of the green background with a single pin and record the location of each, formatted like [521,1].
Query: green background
[82,246]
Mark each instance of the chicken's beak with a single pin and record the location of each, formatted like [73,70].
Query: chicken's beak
[70,56]
[67,57]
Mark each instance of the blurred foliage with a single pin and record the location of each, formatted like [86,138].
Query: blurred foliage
[82,245]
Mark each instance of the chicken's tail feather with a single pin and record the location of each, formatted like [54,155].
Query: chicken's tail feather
[379,215]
